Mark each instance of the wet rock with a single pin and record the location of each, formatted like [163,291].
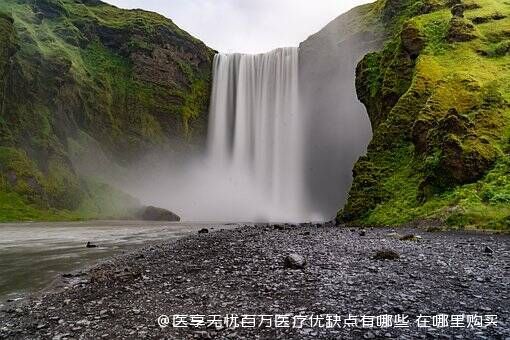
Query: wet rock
[158,214]
[386,254]
[295,261]
[363,233]
[488,250]
[90,245]
[228,271]
[203,231]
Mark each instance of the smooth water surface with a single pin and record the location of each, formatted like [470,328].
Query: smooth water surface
[32,255]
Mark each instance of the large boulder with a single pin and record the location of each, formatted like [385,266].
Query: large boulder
[158,214]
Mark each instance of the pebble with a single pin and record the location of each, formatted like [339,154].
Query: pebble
[295,261]
[241,272]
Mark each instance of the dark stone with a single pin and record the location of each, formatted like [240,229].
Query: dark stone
[488,250]
[158,214]
[203,231]
[363,233]
[90,245]
[295,261]
[386,254]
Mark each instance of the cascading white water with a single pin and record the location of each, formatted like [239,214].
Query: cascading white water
[276,151]
[255,131]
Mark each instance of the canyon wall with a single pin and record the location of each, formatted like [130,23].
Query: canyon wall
[81,80]
[438,99]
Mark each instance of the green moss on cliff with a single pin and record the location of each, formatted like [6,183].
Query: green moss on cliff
[131,80]
[438,99]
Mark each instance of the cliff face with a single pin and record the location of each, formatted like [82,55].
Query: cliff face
[337,126]
[81,73]
[438,100]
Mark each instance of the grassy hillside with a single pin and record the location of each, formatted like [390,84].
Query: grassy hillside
[438,96]
[131,81]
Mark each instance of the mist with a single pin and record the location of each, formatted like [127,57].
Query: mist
[338,127]
[252,170]
[271,169]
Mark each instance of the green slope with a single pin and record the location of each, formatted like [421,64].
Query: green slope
[438,98]
[131,81]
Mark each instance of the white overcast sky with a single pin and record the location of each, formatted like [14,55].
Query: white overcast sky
[247,26]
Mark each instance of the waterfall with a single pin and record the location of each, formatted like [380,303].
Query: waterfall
[255,131]
[279,149]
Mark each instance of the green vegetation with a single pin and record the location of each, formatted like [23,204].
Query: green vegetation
[438,97]
[131,80]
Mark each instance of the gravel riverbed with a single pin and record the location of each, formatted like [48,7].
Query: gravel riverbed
[332,278]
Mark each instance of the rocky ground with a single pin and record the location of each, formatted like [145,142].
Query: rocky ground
[248,271]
